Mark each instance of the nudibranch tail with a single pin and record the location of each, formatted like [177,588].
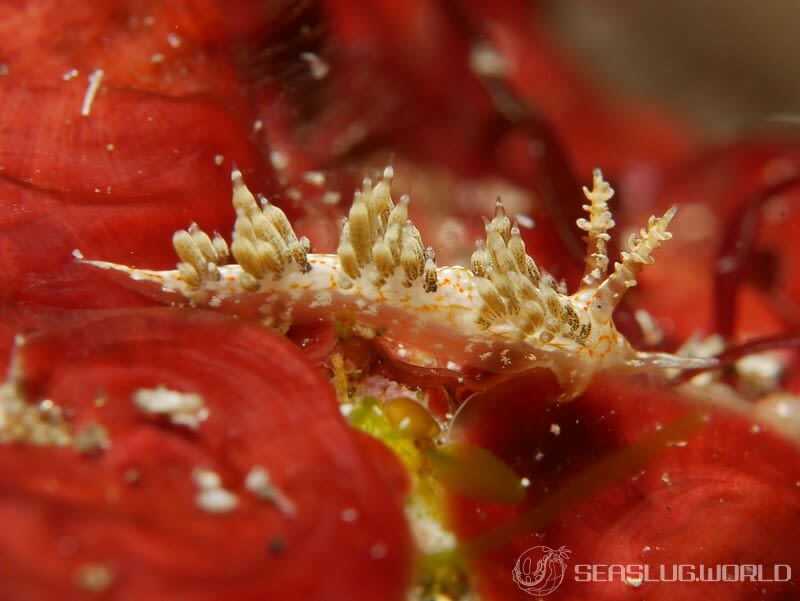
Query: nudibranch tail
[502,313]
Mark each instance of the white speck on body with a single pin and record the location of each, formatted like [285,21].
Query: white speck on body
[322,299]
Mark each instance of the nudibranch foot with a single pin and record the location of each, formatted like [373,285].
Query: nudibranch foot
[503,313]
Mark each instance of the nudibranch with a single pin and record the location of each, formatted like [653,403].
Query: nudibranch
[502,313]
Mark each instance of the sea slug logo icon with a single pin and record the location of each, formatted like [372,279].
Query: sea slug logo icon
[540,570]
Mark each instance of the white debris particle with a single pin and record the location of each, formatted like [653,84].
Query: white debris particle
[315,178]
[110,147]
[761,373]
[653,335]
[524,482]
[95,78]
[157,58]
[218,159]
[539,456]
[781,411]
[526,222]
[555,429]
[71,74]
[183,408]
[258,125]
[279,160]
[349,515]
[259,482]
[4,70]
[92,438]
[216,500]
[485,60]
[131,476]
[726,264]
[174,40]
[211,496]
[77,254]
[95,577]
[331,198]
[666,479]
[755,428]
[205,479]
[378,551]
[634,581]
[41,424]
[319,68]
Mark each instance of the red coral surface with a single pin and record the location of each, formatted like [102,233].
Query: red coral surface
[132,507]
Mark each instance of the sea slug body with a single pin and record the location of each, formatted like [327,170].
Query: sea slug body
[502,313]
